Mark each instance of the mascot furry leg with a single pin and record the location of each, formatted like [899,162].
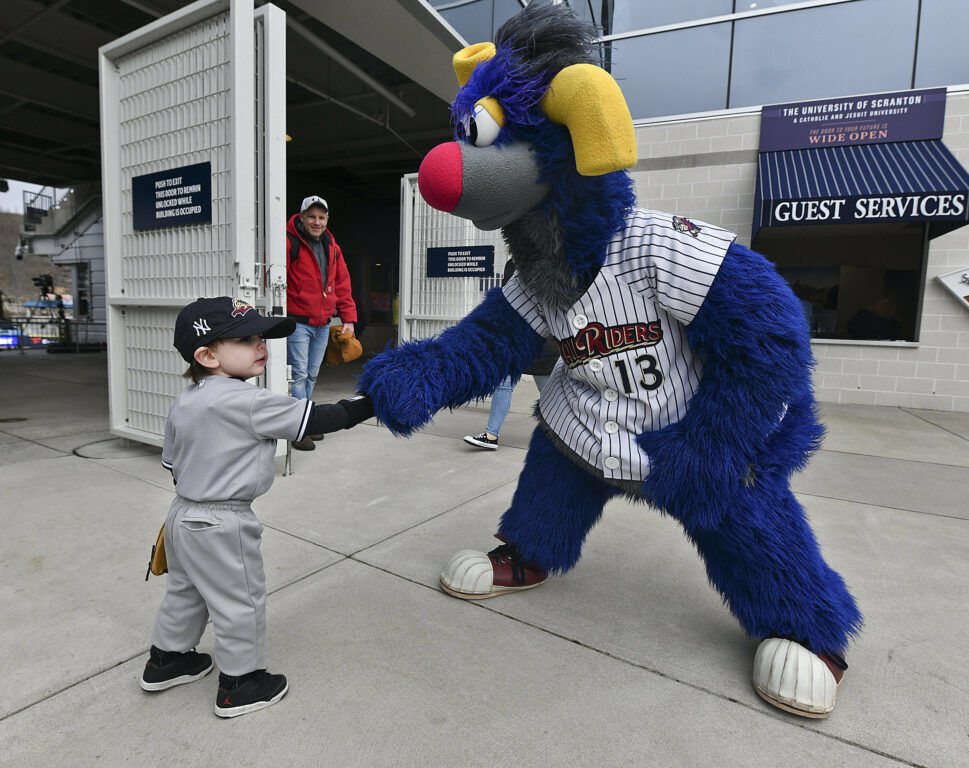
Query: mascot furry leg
[685,377]
[543,532]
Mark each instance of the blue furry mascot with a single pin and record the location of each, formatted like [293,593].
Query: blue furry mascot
[685,371]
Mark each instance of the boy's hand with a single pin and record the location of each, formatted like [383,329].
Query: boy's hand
[359,408]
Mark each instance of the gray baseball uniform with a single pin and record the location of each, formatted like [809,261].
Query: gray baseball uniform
[626,366]
[220,440]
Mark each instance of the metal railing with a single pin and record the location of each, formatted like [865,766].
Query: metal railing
[49,210]
[36,207]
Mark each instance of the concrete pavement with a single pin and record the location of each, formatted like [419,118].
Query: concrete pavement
[629,660]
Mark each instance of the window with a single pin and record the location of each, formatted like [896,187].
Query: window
[759,5]
[471,19]
[863,47]
[613,16]
[673,72]
[504,10]
[590,10]
[641,14]
[856,281]
[943,56]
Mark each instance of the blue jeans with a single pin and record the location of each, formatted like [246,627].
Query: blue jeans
[501,403]
[304,352]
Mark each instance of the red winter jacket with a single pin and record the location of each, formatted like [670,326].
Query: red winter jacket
[305,298]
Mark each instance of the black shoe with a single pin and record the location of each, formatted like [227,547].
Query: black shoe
[306,444]
[482,441]
[166,669]
[316,438]
[248,692]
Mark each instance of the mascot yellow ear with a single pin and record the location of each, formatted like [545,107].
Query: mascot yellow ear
[467,59]
[587,100]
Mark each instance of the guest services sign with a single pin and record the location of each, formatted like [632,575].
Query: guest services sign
[862,159]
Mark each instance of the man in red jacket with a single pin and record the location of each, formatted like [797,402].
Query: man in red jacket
[318,287]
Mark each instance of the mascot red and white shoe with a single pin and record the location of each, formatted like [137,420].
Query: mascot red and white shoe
[474,575]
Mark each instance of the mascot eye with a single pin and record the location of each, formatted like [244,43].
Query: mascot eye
[483,126]
[483,129]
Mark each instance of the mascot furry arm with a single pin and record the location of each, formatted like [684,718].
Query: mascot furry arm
[754,406]
[410,384]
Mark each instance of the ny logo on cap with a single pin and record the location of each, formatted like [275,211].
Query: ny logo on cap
[201,327]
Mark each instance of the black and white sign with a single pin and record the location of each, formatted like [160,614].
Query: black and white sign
[461,261]
[173,198]
[957,283]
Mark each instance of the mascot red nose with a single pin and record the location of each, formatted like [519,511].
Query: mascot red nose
[439,178]
[685,370]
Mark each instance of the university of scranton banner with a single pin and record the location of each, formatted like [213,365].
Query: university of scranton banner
[883,117]
[875,158]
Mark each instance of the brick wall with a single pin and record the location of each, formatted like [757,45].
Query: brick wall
[706,168]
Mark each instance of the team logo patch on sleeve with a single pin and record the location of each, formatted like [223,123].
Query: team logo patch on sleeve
[240,307]
[686,226]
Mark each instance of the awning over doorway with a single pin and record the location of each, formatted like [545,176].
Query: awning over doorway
[866,183]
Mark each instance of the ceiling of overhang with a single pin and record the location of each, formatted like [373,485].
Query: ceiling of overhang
[354,117]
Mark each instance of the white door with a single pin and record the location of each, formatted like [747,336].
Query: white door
[192,137]
[428,305]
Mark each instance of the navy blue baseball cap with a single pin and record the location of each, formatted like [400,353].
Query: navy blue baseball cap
[205,320]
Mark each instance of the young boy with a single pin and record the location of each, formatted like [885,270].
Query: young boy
[220,440]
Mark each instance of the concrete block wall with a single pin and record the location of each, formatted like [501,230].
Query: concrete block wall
[705,167]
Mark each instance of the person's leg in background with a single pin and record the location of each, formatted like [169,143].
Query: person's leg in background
[314,359]
[540,382]
[500,405]
[304,353]
[297,348]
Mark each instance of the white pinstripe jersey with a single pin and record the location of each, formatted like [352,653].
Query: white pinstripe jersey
[626,366]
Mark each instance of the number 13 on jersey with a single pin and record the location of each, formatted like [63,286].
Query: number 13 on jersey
[650,376]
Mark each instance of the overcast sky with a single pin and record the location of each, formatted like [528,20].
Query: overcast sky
[12,201]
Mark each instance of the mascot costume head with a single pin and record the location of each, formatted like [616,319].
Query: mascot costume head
[542,134]
[685,371]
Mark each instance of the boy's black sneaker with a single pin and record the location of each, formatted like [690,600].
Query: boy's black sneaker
[482,441]
[166,669]
[248,692]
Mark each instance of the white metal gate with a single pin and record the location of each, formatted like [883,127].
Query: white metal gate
[428,305]
[204,84]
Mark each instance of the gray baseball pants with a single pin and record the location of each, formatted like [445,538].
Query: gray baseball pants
[214,569]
